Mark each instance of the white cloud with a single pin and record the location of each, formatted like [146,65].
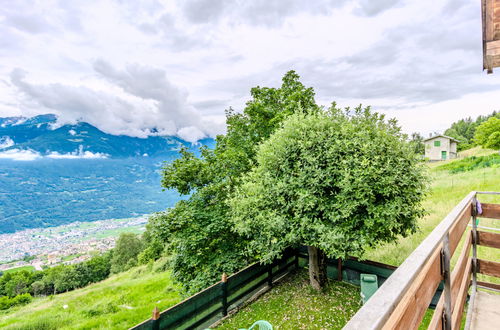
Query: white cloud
[192,59]
[6,142]
[77,155]
[20,155]
[30,155]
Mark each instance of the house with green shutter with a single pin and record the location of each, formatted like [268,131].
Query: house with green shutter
[440,147]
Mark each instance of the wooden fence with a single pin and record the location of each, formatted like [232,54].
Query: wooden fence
[213,303]
[404,298]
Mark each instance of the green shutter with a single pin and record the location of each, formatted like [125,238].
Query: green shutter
[437,143]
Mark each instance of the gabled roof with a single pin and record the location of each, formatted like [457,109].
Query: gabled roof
[441,135]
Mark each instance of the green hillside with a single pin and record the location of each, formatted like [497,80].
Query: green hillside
[116,303]
[128,298]
[447,190]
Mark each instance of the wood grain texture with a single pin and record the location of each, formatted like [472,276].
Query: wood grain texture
[490,268]
[410,311]
[489,239]
[457,230]
[460,267]
[459,305]
[494,286]
[491,211]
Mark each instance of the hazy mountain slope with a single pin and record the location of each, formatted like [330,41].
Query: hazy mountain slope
[79,173]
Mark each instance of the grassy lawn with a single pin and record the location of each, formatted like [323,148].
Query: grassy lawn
[12,270]
[447,190]
[293,304]
[119,302]
[128,298]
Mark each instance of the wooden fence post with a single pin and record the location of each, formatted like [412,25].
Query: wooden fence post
[156,318]
[270,275]
[297,259]
[224,294]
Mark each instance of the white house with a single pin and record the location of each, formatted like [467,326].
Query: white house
[440,147]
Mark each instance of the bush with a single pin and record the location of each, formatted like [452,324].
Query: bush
[22,299]
[472,163]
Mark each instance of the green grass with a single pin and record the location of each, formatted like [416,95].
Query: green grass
[282,306]
[447,190]
[471,163]
[17,269]
[290,305]
[119,302]
[293,304]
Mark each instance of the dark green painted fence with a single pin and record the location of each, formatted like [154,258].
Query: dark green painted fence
[213,303]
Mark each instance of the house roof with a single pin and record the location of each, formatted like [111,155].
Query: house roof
[441,135]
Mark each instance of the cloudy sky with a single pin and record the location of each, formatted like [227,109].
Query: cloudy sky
[177,65]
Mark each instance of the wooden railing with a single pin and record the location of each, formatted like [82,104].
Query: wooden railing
[402,301]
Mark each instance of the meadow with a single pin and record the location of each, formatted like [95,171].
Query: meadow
[118,302]
[128,298]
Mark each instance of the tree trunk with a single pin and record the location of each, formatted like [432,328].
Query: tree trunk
[317,267]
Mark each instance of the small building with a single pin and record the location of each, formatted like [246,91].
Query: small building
[440,147]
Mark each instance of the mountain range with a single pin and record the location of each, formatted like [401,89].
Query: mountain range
[52,175]
[40,134]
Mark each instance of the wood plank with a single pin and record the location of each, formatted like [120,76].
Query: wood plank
[391,299]
[457,230]
[489,239]
[493,48]
[493,286]
[491,211]
[489,31]
[490,268]
[409,313]
[460,267]
[458,310]
[437,319]
[456,278]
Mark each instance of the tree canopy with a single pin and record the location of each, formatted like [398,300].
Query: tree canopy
[488,133]
[464,130]
[197,231]
[337,181]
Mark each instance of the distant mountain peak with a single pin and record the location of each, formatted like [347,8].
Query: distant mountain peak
[39,135]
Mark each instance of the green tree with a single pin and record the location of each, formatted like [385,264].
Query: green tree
[417,143]
[488,133]
[128,246]
[464,130]
[337,181]
[66,279]
[197,231]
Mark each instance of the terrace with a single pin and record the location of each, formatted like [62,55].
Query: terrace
[402,301]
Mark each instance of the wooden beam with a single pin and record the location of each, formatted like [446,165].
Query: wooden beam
[457,230]
[493,286]
[456,279]
[460,267]
[489,27]
[493,48]
[436,322]
[491,211]
[458,311]
[398,292]
[490,268]
[410,311]
[489,239]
